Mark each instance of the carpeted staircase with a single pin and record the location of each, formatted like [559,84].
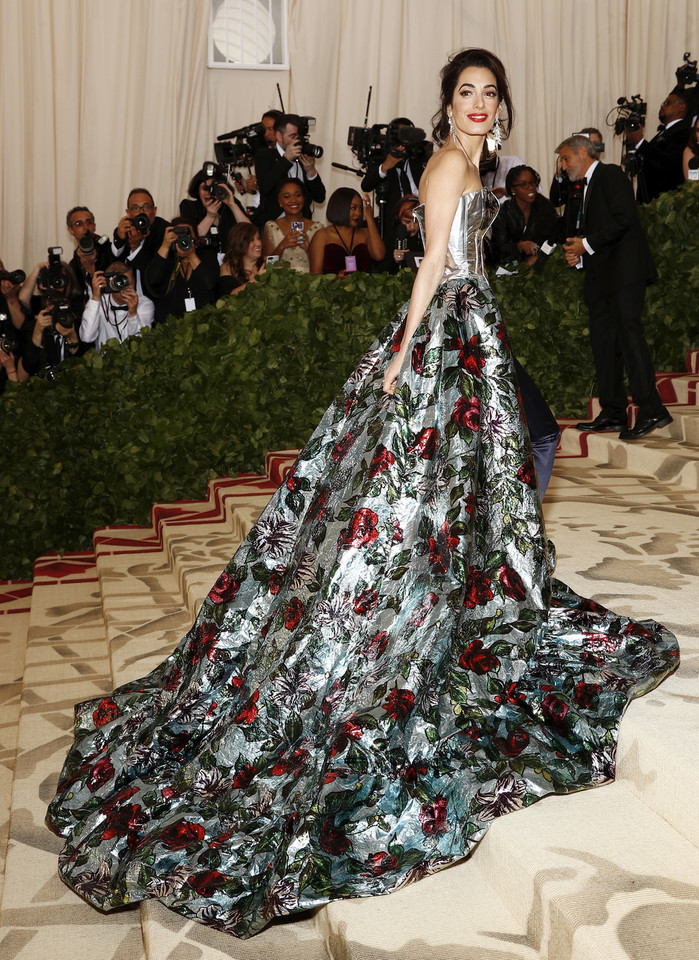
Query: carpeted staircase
[608,874]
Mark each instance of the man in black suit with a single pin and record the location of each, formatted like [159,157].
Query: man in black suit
[396,176]
[661,157]
[283,161]
[618,266]
[139,233]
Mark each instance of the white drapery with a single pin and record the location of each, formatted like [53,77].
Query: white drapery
[97,97]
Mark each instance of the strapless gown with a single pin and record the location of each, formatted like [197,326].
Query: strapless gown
[384,667]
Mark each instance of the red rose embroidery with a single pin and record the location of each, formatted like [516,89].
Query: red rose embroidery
[245,775]
[249,711]
[417,358]
[555,709]
[332,840]
[397,338]
[349,731]
[203,643]
[206,884]
[106,710]
[478,588]
[362,530]
[350,400]
[377,645]
[426,443]
[514,743]
[293,614]
[527,473]
[511,583]
[511,695]
[382,862]
[224,589]
[365,603]
[478,658]
[181,834]
[441,547]
[124,821]
[413,773]
[585,693]
[381,460]
[293,764]
[342,446]
[399,704]
[433,816]
[101,773]
[469,358]
[467,413]
[173,678]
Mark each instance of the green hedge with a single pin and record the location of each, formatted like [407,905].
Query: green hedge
[211,393]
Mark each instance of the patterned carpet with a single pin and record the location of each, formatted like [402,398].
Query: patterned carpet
[601,875]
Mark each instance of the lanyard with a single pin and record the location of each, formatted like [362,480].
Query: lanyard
[348,249]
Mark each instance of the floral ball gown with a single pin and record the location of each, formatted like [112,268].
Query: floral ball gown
[383,668]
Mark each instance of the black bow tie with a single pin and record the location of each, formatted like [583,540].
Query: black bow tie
[119,306]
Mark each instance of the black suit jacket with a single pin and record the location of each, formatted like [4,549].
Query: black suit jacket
[612,228]
[149,247]
[271,168]
[661,167]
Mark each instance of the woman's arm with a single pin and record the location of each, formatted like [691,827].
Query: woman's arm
[316,255]
[377,248]
[443,185]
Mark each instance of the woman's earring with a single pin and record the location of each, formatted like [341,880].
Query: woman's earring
[494,138]
[453,131]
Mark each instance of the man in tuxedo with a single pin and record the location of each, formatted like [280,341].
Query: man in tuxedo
[283,161]
[396,176]
[618,265]
[661,157]
[139,233]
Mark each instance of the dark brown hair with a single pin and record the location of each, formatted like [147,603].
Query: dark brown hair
[338,208]
[514,172]
[471,57]
[239,239]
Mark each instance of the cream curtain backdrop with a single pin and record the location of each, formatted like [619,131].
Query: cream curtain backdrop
[97,97]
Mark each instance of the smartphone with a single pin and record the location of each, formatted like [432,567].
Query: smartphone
[271,260]
[297,226]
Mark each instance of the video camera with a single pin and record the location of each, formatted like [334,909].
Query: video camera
[376,142]
[630,115]
[687,73]
[248,140]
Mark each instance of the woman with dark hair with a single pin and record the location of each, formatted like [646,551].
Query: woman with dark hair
[691,151]
[244,259]
[212,217]
[352,239]
[181,277]
[385,666]
[289,236]
[525,221]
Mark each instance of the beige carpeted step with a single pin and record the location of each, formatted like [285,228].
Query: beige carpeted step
[66,661]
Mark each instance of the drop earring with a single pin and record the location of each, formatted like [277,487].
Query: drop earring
[453,131]
[494,138]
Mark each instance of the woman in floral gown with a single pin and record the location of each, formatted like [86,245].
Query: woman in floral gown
[385,665]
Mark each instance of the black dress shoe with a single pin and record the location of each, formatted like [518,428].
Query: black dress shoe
[602,424]
[643,427]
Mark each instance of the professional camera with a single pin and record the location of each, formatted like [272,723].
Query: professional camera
[248,140]
[115,282]
[630,115]
[89,242]
[8,340]
[52,277]
[141,222]
[61,311]
[687,73]
[376,142]
[13,276]
[218,188]
[184,241]
[308,149]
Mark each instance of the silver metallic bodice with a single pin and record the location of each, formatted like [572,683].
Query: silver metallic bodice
[474,215]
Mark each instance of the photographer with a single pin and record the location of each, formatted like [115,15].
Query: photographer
[408,238]
[92,252]
[288,159]
[139,233]
[661,157]
[13,321]
[57,309]
[395,176]
[214,216]
[116,311]
[182,276]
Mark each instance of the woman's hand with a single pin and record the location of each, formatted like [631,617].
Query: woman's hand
[528,247]
[391,376]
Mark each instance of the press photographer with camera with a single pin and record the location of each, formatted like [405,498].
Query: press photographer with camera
[394,176]
[182,276]
[115,310]
[13,322]
[139,233]
[292,157]
[92,252]
[661,157]
[56,304]
[211,205]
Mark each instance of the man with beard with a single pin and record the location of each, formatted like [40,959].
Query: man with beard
[661,157]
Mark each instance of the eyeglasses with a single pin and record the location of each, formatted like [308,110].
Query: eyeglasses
[141,208]
[81,223]
[526,183]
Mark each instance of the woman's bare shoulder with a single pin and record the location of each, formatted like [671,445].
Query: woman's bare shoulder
[446,164]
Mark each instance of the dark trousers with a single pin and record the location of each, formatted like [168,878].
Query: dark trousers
[543,429]
[618,344]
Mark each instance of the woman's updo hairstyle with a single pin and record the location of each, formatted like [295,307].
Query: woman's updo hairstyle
[471,57]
